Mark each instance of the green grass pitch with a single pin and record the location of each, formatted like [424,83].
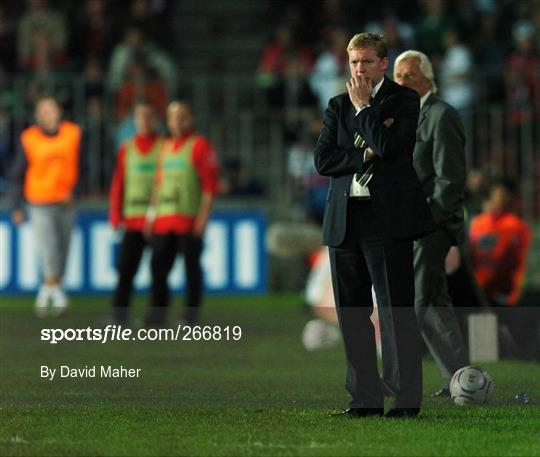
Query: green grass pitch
[264,395]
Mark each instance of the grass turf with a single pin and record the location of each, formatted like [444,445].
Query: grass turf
[263,395]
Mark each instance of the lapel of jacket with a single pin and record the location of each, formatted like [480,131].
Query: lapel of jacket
[382,93]
[352,124]
[424,111]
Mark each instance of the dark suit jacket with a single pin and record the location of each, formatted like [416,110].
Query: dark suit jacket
[395,190]
[439,161]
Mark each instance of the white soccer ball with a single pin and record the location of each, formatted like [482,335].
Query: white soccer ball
[318,334]
[471,385]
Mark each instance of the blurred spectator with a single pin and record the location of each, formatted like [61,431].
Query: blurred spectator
[477,188]
[10,99]
[129,199]
[398,33]
[44,176]
[136,47]
[142,84]
[91,36]
[47,20]
[186,184]
[45,74]
[294,93]
[455,73]
[331,67]
[462,284]
[522,74]
[490,53]
[431,30]
[500,242]
[308,185]
[336,14]
[147,16]
[284,67]
[237,182]
[294,15]
[93,81]
[7,39]
[94,142]
[466,16]
[42,53]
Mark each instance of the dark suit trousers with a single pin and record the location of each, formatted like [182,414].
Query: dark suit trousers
[164,250]
[363,259]
[129,257]
[436,317]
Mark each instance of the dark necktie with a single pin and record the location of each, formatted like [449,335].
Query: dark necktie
[359,142]
[365,177]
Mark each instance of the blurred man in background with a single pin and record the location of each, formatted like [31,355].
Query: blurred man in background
[500,241]
[129,200]
[187,181]
[439,161]
[45,173]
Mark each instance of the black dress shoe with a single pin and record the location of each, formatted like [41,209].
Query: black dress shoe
[403,412]
[442,392]
[360,412]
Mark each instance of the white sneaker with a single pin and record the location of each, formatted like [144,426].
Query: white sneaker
[59,301]
[42,301]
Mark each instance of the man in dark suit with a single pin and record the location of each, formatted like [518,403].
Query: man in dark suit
[375,208]
[439,161]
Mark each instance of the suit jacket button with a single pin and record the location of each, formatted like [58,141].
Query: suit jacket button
[345,194]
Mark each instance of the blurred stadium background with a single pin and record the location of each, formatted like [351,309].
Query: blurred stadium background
[258,74]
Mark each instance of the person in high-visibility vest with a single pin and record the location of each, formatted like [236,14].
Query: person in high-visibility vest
[186,184]
[45,173]
[500,242]
[129,199]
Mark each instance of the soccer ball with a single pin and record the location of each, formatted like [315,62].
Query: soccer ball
[471,385]
[319,334]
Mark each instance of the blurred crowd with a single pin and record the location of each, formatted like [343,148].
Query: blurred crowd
[483,51]
[99,57]
[109,46]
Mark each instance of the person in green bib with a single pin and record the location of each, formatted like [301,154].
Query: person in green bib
[129,199]
[186,184]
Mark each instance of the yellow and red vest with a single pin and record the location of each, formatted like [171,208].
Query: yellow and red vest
[179,191]
[140,173]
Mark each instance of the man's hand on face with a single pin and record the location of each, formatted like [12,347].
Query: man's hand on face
[359,89]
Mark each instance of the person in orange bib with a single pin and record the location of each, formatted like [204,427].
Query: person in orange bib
[500,242]
[187,181]
[129,199]
[45,173]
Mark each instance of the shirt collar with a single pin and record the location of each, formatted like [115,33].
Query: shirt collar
[424,98]
[377,87]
